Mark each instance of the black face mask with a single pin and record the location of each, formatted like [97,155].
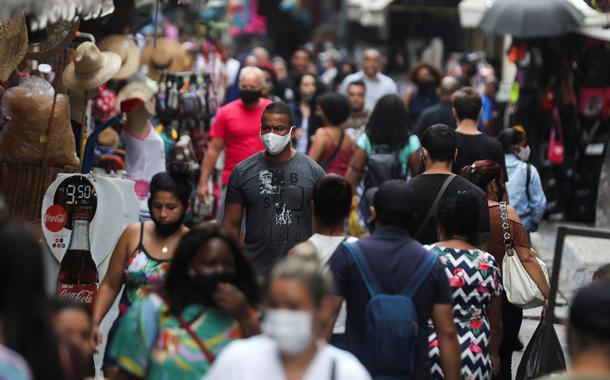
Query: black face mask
[205,285]
[166,229]
[426,85]
[250,96]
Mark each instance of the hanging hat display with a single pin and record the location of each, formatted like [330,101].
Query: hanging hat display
[137,90]
[13,45]
[55,38]
[90,67]
[127,49]
[168,55]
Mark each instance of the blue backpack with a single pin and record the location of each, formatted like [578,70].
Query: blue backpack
[391,326]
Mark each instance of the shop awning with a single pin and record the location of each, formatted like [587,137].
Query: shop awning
[595,23]
[45,12]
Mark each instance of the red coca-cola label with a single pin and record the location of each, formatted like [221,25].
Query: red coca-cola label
[55,218]
[81,293]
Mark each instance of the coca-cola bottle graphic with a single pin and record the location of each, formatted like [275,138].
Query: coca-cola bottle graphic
[78,277]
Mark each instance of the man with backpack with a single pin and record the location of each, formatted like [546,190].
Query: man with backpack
[392,287]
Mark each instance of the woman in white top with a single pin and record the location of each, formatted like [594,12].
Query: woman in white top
[295,318]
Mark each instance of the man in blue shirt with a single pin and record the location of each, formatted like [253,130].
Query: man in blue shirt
[377,84]
[394,257]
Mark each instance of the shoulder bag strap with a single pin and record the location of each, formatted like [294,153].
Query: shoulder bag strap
[326,162]
[333,370]
[528,173]
[420,275]
[508,241]
[208,355]
[432,209]
[363,268]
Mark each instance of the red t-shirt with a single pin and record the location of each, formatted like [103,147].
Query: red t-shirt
[240,128]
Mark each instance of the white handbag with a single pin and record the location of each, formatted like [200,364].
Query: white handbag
[520,289]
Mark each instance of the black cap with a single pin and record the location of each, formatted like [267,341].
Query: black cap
[393,196]
[590,309]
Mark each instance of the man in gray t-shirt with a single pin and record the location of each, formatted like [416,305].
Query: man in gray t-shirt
[274,188]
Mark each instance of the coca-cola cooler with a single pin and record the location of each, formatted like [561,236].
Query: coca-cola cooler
[83,217]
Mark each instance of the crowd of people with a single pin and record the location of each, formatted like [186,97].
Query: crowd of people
[360,235]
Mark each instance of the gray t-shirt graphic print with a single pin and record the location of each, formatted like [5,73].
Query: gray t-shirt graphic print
[277,204]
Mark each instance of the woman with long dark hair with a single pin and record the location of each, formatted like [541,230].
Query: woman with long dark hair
[488,175]
[206,303]
[388,129]
[142,255]
[304,111]
[25,319]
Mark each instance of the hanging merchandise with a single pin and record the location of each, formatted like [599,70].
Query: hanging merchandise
[38,118]
[556,148]
[83,218]
[168,56]
[49,42]
[125,47]
[13,45]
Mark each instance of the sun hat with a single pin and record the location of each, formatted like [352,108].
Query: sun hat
[127,49]
[13,45]
[90,67]
[54,38]
[137,90]
[168,55]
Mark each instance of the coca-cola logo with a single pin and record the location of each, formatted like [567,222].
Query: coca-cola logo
[83,296]
[55,218]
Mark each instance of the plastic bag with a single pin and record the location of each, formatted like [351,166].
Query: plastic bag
[29,107]
[530,366]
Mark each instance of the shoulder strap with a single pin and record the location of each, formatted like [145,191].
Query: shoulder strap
[141,241]
[326,162]
[432,209]
[333,370]
[420,275]
[363,267]
[508,241]
[208,355]
[528,172]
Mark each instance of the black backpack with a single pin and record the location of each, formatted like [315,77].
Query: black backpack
[383,164]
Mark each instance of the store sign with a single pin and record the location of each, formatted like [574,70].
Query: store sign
[109,204]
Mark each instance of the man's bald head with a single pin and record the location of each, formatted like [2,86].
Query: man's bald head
[448,86]
[371,62]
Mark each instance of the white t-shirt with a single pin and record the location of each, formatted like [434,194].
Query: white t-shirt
[258,358]
[326,246]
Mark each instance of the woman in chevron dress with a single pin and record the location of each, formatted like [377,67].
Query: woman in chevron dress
[475,281]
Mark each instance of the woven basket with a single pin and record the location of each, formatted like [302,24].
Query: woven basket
[24,186]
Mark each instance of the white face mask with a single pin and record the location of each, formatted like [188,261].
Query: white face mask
[291,330]
[275,144]
[524,153]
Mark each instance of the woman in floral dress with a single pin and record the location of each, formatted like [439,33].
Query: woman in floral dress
[475,281]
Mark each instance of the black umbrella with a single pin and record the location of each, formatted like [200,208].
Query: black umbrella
[531,18]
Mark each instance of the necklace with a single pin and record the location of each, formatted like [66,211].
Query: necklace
[164,249]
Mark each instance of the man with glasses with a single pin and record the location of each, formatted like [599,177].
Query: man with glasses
[273,189]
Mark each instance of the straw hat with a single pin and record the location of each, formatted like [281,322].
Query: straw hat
[90,67]
[13,45]
[169,55]
[127,49]
[138,90]
[56,37]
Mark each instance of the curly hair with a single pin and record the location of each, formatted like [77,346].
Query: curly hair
[436,73]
